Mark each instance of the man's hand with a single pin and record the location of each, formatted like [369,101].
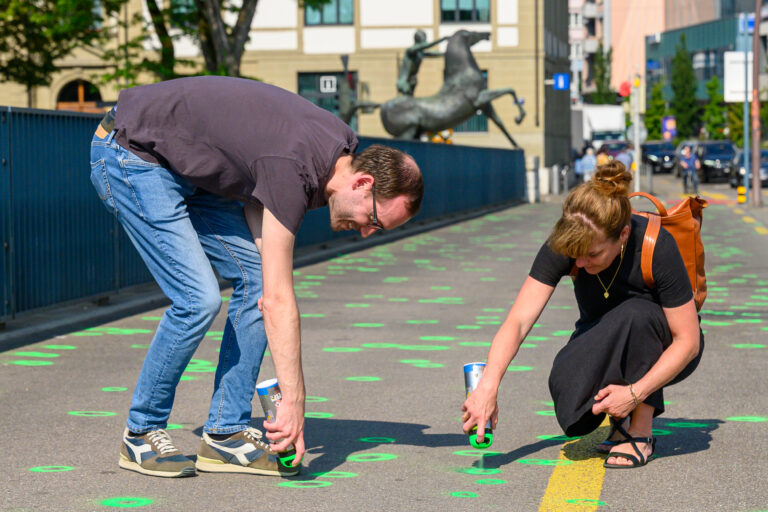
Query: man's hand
[615,400]
[478,408]
[287,429]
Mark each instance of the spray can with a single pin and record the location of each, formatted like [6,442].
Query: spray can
[472,374]
[270,396]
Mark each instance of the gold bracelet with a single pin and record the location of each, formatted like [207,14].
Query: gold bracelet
[634,397]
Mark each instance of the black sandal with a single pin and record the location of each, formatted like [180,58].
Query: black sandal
[609,443]
[640,460]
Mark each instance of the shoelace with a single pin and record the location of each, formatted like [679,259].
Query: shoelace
[256,436]
[162,441]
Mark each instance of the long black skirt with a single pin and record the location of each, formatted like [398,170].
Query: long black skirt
[619,348]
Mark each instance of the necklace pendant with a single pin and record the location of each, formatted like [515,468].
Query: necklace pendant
[605,295]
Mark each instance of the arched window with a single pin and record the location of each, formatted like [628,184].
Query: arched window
[81,96]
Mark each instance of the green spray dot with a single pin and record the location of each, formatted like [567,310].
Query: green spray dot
[342,349]
[586,501]
[31,363]
[545,413]
[174,426]
[423,347]
[469,327]
[187,377]
[60,347]
[561,333]
[85,333]
[364,379]
[126,502]
[377,439]
[491,481]
[661,432]
[357,305]
[315,399]
[428,365]
[35,354]
[92,414]
[683,424]
[397,299]
[334,474]
[414,361]
[754,419]
[519,368]
[440,288]
[51,469]
[368,325]
[464,494]
[115,388]
[748,345]
[318,415]
[494,310]
[476,453]
[437,338]
[544,462]
[371,457]
[475,343]
[312,315]
[537,338]
[527,345]
[479,471]
[309,484]
[556,437]
[380,345]
[140,345]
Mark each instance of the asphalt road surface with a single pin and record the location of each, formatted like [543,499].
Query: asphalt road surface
[385,334]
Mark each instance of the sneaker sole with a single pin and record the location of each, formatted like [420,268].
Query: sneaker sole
[132,466]
[214,466]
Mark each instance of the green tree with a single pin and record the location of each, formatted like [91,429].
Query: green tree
[222,44]
[35,34]
[714,114]
[656,109]
[602,66]
[735,122]
[683,105]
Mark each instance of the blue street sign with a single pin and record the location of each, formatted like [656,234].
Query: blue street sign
[562,81]
[746,23]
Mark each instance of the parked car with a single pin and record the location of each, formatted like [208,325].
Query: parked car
[692,143]
[738,170]
[614,147]
[715,157]
[659,155]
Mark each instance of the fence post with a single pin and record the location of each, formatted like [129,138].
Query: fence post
[532,180]
[7,302]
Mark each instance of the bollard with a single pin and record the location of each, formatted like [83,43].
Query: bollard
[532,180]
[555,180]
[741,196]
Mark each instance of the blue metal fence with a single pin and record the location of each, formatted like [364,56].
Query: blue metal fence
[59,243]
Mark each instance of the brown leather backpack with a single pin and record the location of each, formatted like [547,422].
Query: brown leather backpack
[683,221]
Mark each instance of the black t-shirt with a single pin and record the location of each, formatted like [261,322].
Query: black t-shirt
[237,138]
[672,285]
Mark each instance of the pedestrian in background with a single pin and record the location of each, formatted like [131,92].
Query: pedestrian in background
[630,340]
[588,164]
[602,156]
[625,156]
[691,165]
[218,172]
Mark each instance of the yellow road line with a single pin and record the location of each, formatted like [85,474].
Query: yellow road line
[761,230]
[748,219]
[576,485]
[715,195]
[738,211]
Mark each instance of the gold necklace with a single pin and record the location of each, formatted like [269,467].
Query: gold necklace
[606,288]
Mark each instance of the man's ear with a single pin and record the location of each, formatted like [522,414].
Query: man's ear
[362,180]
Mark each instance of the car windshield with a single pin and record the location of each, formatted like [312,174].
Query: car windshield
[660,146]
[763,157]
[615,146]
[717,148]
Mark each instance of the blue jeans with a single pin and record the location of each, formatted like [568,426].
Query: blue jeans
[180,231]
[693,176]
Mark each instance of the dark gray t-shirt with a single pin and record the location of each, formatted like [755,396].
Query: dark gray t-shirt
[672,285]
[237,138]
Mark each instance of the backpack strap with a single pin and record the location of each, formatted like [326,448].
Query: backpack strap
[649,244]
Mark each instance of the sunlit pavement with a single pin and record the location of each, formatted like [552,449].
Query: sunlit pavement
[385,333]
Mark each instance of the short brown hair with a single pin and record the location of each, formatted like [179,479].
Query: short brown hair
[395,173]
[600,205]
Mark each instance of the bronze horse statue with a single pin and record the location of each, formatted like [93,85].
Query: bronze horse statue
[464,92]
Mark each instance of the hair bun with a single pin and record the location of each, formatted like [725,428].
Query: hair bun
[612,179]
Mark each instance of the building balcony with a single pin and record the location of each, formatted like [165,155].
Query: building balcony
[591,10]
[591,45]
[575,5]
[577,33]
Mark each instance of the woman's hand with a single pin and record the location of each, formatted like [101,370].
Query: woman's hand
[478,408]
[615,400]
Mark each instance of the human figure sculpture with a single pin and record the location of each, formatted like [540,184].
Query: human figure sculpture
[409,67]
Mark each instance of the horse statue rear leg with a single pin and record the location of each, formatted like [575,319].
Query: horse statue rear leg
[483,103]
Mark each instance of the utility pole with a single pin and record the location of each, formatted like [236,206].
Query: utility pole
[637,153]
[756,153]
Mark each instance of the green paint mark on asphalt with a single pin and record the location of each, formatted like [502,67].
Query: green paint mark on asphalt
[419,322]
[513,368]
[50,469]
[527,345]
[366,325]
[398,300]
[748,345]
[315,399]
[364,378]
[439,287]
[60,347]
[31,363]
[423,347]
[92,414]
[305,484]
[395,279]
[545,413]
[357,305]
[479,471]
[380,345]
[312,315]
[318,415]
[468,327]
[751,419]
[556,437]
[334,474]
[371,457]
[475,343]
[342,349]
[684,424]
[464,494]
[379,440]
[491,481]
[152,318]
[545,462]
[126,502]
[586,501]
[35,354]
[114,388]
[437,338]
[174,426]
[562,333]
[476,453]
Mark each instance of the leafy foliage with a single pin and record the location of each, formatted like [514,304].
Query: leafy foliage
[683,105]
[714,111]
[655,111]
[603,93]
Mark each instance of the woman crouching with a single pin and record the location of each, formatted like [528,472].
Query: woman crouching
[630,340]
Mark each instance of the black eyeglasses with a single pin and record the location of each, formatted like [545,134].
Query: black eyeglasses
[375,224]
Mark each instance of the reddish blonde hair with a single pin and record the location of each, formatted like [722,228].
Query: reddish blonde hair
[598,206]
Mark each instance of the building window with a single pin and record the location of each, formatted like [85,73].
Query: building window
[323,90]
[465,10]
[336,12]
[476,123]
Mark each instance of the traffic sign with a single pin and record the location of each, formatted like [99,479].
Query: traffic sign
[562,81]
